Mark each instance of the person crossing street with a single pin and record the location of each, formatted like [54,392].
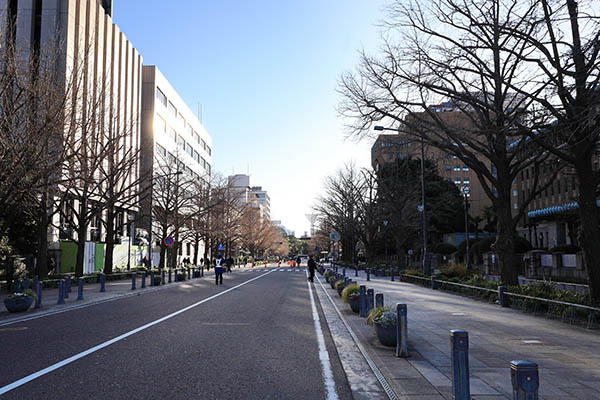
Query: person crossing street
[219,263]
[311,268]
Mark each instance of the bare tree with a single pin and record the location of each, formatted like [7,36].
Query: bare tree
[455,52]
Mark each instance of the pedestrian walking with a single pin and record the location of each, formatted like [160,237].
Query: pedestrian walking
[311,268]
[229,263]
[298,260]
[219,263]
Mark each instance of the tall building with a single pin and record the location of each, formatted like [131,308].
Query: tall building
[172,132]
[254,196]
[88,52]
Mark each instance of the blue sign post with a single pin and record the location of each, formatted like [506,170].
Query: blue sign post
[169,241]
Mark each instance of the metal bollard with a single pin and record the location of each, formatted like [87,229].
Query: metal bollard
[61,292]
[379,300]
[144,281]
[35,282]
[459,348]
[133,276]
[392,274]
[370,300]
[170,275]
[363,301]
[16,286]
[525,380]
[344,271]
[502,297]
[355,271]
[368,274]
[102,283]
[26,284]
[401,331]
[151,278]
[80,289]
[38,301]
[162,275]
[202,271]
[68,286]
[434,284]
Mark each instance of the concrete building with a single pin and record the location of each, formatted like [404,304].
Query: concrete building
[171,133]
[254,196]
[89,50]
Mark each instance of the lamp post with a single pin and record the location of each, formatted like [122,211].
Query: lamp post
[422,206]
[466,191]
[130,227]
[385,224]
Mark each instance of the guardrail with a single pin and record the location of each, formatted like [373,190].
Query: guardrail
[569,312]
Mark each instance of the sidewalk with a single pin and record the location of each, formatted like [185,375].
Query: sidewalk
[568,357]
[91,295]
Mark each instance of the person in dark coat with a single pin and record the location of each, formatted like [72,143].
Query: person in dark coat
[229,263]
[298,261]
[311,268]
[219,263]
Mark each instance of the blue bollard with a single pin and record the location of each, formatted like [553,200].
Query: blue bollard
[344,271]
[202,272]
[38,289]
[163,277]
[379,300]
[356,271]
[68,286]
[152,278]
[35,282]
[459,348]
[133,276]
[102,283]
[61,292]
[26,284]
[370,300]
[401,330]
[434,284]
[502,297]
[170,275]
[363,301]
[80,289]
[144,281]
[525,380]
[368,274]
[392,274]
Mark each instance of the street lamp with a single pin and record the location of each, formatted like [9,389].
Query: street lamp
[422,207]
[385,224]
[466,191]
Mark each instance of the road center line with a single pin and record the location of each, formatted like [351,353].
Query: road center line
[89,351]
[323,354]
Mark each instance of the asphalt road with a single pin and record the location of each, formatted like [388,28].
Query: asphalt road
[257,341]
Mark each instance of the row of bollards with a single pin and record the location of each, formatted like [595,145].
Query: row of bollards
[524,374]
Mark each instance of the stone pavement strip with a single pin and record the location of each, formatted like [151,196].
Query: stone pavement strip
[568,356]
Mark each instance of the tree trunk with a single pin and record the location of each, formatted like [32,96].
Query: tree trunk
[110,240]
[81,236]
[590,232]
[42,238]
[505,244]
[196,249]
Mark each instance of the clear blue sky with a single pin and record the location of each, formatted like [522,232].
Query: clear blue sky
[265,73]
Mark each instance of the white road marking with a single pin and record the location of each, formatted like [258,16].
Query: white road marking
[89,351]
[323,354]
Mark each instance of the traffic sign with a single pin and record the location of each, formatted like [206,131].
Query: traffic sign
[221,247]
[335,236]
[169,241]
[410,252]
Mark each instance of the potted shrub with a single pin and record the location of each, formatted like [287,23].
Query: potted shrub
[197,273]
[179,275]
[339,286]
[351,295]
[384,321]
[19,302]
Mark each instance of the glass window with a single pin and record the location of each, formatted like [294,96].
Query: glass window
[208,150]
[203,144]
[196,137]
[203,162]
[162,99]
[181,119]
[189,149]
[173,134]
[208,168]
[161,150]
[467,180]
[160,124]
[172,110]
[457,168]
[515,193]
[196,156]
[448,168]
[181,141]
[457,181]
[465,168]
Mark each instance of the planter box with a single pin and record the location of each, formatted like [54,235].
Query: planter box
[340,288]
[355,304]
[157,280]
[18,304]
[180,277]
[386,334]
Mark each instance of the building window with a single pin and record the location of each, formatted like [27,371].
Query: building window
[457,181]
[181,119]
[515,193]
[465,168]
[181,141]
[208,150]
[208,168]
[172,110]
[448,168]
[203,144]
[161,150]
[203,162]
[162,99]
[456,168]
[196,137]
[161,124]
[467,180]
[196,156]
[516,206]
[173,135]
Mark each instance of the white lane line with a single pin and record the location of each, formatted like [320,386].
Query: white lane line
[89,351]
[323,354]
